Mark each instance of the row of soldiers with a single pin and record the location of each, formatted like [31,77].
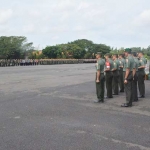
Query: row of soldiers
[31,62]
[125,72]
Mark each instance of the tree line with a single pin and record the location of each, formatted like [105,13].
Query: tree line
[17,47]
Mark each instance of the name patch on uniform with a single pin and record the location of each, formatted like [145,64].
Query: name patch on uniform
[127,60]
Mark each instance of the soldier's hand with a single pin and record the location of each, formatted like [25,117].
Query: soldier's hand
[125,81]
[97,81]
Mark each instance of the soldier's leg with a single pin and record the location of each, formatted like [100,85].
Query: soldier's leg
[109,91]
[102,87]
[116,88]
[113,83]
[107,83]
[135,91]
[128,89]
[141,84]
[121,81]
[98,87]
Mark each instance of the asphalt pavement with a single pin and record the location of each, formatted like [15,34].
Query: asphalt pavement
[52,108]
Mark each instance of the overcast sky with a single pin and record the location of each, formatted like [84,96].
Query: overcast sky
[118,23]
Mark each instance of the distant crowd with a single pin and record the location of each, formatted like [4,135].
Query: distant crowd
[32,62]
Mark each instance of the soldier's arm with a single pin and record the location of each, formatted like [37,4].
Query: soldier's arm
[98,73]
[127,69]
[115,67]
[142,64]
[134,70]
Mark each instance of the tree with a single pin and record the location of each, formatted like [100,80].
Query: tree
[51,51]
[84,44]
[14,47]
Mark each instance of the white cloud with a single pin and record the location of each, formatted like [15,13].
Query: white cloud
[143,19]
[113,22]
[5,15]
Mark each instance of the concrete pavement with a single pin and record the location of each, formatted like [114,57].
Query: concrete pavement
[51,108]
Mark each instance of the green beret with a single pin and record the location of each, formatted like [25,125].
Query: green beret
[128,50]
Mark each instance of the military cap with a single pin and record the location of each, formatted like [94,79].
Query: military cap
[128,50]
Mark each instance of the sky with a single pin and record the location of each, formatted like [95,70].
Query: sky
[117,23]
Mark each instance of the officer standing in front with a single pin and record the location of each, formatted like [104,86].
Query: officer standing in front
[128,78]
[100,78]
[109,75]
[141,75]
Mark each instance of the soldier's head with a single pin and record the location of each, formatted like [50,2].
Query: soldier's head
[127,51]
[114,56]
[98,55]
[140,54]
[120,56]
[107,56]
[134,54]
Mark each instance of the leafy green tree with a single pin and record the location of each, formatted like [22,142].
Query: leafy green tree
[14,47]
[51,51]
[84,44]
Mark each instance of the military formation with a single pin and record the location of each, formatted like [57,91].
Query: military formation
[31,62]
[120,73]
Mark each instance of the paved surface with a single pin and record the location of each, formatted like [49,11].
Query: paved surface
[51,108]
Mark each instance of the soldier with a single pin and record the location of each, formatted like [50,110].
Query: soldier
[141,75]
[121,72]
[100,78]
[128,78]
[135,77]
[109,75]
[115,71]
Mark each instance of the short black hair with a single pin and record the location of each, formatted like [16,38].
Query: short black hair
[134,54]
[141,52]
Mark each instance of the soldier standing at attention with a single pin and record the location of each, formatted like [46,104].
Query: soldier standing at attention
[121,72]
[141,75]
[135,78]
[109,75]
[128,78]
[100,78]
[115,71]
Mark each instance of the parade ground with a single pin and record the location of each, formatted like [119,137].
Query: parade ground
[52,107]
